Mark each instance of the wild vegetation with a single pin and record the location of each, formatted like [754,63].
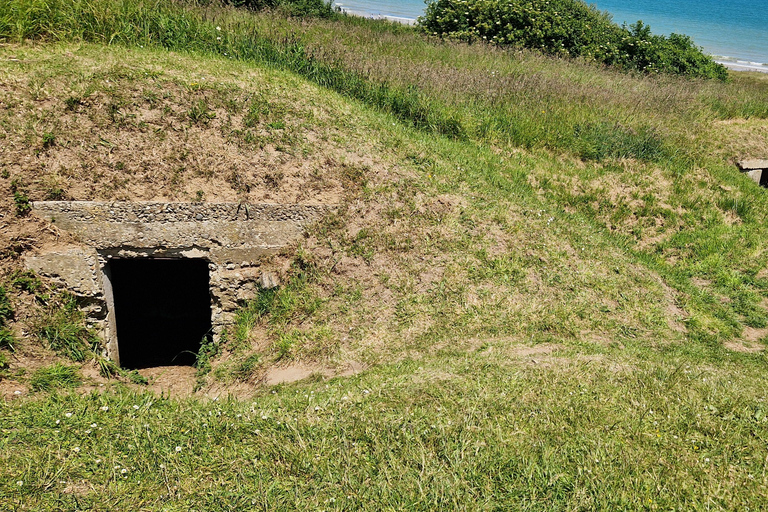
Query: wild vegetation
[552,271]
[569,28]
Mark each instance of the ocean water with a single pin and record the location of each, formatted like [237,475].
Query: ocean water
[732,31]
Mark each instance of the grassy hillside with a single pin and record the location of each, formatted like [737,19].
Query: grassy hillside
[552,273]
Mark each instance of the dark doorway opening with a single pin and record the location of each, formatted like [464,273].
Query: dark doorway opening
[764,178]
[162,310]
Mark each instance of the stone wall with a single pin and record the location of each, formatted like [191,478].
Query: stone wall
[234,238]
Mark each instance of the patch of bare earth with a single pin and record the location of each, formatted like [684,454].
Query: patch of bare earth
[532,351]
[744,346]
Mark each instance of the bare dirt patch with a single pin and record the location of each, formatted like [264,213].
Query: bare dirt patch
[287,374]
[523,352]
[11,389]
[744,346]
[752,334]
[171,380]
[127,131]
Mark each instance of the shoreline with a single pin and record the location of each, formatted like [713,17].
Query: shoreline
[739,66]
[376,16]
[745,67]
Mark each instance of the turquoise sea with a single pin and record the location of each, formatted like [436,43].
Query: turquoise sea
[735,32]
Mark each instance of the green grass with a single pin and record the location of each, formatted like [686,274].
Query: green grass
[7,339]
[56,377]
[6,309]
[544,276]
[62,328]
[462,433]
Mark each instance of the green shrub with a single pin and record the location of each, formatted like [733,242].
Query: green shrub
[568,28]
[50,378]
[208,350]
[22,203]
[49,140]
[302,8]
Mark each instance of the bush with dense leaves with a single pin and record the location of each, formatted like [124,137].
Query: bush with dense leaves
[568,28]
[316,8]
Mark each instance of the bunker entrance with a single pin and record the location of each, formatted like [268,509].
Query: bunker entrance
[161,310]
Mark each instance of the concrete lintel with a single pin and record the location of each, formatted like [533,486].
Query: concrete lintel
[749,165]
[169,226]
[140,211]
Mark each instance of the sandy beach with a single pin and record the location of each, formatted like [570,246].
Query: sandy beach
[396,19]
[746,66]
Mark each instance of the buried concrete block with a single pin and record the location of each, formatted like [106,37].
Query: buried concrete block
[269,280]
[756,170]
[164,277]
[76,269]
[747,165]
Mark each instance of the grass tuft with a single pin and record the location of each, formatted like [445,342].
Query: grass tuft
[55,377]
[62,327]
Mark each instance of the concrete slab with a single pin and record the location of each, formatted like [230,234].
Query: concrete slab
[748,165]
[756,175]
[76,269]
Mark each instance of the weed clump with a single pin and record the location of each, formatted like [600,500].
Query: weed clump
[62,326]
[20,199]
[569,28]
[50,378]
[6,309]
[7,338]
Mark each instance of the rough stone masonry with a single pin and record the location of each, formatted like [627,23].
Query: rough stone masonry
[233,238]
